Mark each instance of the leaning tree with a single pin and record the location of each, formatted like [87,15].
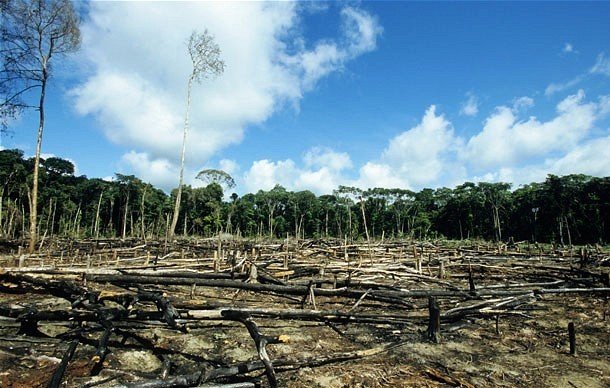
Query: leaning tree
[206,61]
[32,34]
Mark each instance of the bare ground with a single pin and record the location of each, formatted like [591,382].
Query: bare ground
[527,346]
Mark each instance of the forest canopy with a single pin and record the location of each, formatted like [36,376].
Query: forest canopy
[571,209]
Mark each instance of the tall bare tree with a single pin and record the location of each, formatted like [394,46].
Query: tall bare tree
[205,57]
[32,34]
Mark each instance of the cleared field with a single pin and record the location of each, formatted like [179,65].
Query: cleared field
[303,314]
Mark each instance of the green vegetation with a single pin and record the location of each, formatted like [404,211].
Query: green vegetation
[573,209]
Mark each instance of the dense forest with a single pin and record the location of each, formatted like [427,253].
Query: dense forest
[573,209]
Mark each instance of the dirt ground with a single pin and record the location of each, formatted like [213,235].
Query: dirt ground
[525,347]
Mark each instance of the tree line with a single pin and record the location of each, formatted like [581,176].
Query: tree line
[571,209]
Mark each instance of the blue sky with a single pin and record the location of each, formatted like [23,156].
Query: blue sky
[321,94]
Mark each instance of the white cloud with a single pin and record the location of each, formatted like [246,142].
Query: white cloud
[265,174]
[568,48]
[601,66]
[360,32]
[229,166]
[523,103]
[326,157]
[159,171]
[379,175]
[419,155]
[604,105]
[507,148]
[321,181]
[506,141]
[135,56]
[590,158]
[471,106]
[322,172]
[559,87]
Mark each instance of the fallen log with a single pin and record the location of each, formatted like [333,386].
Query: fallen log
[63,365]
[281,365]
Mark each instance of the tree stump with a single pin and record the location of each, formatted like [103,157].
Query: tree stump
[434,321]
[572,335]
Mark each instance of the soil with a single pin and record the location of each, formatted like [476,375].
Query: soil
[526,346]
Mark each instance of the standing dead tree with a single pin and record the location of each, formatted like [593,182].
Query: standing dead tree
[32,33]
[205,57]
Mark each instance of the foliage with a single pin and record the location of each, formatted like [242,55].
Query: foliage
[570,209]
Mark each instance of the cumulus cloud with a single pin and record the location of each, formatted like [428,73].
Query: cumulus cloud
[321,172]
[591,158]
[523,103]
[379,175]
[471,106]
[507,148]
[420,154]
[159,171]
[413,158]
[265,174]
[229,166]
[505,140]
[326,157]
[135,58]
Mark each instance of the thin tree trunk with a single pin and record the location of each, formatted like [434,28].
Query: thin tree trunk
[1,202]
[23,214]
[76,227]
[568,231]
[110,218]
[53,218]
[34,199]
[296,223]
[349,216]
[366,230]
[125,217]
[142,221]
[496,220]
[97,217]
[271,211]
[181,180]
[9,228]
[339,220]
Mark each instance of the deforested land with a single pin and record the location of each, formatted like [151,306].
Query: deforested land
[480,285]
[303,313]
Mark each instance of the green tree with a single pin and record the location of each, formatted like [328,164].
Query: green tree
[33,33]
